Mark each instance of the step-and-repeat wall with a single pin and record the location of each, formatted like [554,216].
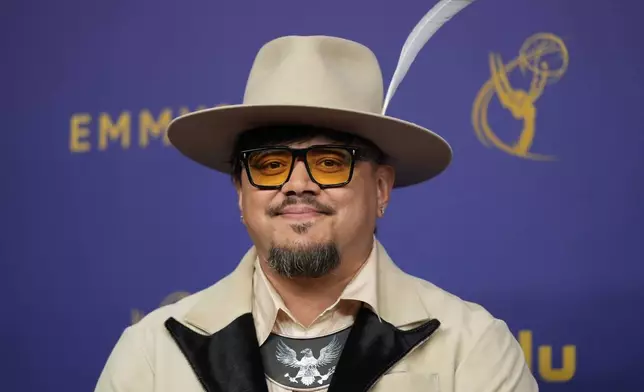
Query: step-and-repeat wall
[539,219]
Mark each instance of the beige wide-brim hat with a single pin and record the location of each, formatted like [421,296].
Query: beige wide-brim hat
[319,81]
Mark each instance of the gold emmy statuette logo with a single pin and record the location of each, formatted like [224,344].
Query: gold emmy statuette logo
[545,57]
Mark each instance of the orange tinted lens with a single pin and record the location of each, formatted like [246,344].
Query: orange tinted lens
[269,167]
[329,166]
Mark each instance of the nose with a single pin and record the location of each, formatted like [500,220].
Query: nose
[300,182]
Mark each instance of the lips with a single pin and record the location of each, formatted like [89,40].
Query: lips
[299,211]
[294,207]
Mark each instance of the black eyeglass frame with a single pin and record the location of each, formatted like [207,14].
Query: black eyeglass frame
[356,153]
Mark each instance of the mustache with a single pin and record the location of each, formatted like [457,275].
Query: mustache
[293,200]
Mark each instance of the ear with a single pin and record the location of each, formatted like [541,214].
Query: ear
[238,189]
[385,177]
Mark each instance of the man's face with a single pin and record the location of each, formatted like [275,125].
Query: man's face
[303,230]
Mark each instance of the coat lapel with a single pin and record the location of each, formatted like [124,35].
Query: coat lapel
[227,361]
[382,337]
[218,337]
[372,348]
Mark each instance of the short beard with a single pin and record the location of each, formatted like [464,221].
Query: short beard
[304,261]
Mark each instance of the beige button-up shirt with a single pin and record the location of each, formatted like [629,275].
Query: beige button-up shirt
[271,315]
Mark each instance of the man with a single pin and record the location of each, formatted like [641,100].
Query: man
[316,304]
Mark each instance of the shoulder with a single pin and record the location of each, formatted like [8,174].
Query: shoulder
[205,311]
[452,310]
[154,322]
[147,346]
[485,354]
[465,325]
[131,364]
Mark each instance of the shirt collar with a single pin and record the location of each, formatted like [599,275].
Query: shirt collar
[267,302]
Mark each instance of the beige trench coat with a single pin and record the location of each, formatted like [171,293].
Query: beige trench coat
[426,340]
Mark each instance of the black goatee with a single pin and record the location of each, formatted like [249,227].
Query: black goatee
[304,261]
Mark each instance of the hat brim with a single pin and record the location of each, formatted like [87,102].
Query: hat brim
[208,136]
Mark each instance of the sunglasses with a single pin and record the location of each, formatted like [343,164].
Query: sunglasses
[328,166]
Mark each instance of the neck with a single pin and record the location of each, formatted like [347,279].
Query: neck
[307,298]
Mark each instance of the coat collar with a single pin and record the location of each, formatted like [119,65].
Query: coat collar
[398,299]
